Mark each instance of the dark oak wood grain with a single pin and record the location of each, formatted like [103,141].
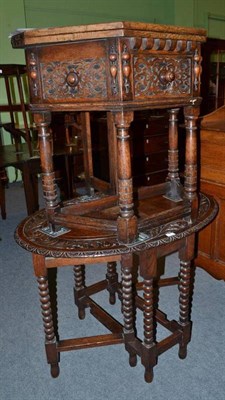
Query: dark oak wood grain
[211,253]
[119,68]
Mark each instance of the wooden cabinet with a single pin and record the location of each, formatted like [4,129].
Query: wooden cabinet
[211,253]
[149,147]
[149,138]
[213,75]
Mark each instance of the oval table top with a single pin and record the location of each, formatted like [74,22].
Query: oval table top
[32,235]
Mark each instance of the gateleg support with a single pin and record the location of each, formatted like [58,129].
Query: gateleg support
[52,357]
[112,279]
[41,273]
[149,360]
[186,255]
[128,306]
[148,270]
[79,289]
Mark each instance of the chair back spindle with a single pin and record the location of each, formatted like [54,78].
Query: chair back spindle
[15,104]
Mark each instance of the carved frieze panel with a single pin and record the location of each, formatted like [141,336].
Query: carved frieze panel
[162,75]
[74,79]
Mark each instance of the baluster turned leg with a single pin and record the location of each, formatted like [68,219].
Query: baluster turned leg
[79,289]
[127,221]
[128,308]
[87,151]
[190,182]
[148,269]
[50,194]
[186,256]
[112,278]
[175,191]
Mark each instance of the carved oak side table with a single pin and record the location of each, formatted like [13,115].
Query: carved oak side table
[119,68]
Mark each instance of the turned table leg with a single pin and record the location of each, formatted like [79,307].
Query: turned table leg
[79,289]
[128,307]
[174,192]
[112,278]
[42,121]
[148,269]
[47,315]
[127,221]
[186,257]
[190,183]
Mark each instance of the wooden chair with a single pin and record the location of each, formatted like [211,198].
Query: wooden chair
[3,183]
[22,151]
[15,120]
[16,91]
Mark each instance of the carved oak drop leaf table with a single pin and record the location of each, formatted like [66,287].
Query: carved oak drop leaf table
[120,68]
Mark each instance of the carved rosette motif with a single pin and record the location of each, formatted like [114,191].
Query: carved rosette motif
[162,74]
[84,78]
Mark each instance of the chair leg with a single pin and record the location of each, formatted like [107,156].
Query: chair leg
[30,184]
[3,181]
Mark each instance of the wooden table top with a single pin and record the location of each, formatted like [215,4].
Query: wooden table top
[31,235]
[104,30]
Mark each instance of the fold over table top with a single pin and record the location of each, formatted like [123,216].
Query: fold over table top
[103,30]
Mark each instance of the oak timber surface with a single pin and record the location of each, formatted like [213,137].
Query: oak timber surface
[211,254]
[111,29]
[79,242]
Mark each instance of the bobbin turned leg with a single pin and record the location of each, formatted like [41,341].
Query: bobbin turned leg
[186,256]
[148,268]
[47,316]
[79,289]
[128,308]
[112,278]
